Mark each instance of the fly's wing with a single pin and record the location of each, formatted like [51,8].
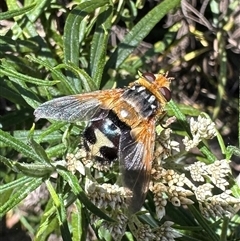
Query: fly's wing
[136,154]
[80,107]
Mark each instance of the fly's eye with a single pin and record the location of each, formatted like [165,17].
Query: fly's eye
[149,77]
[166,93]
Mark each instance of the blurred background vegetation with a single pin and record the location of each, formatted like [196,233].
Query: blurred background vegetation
[52,48]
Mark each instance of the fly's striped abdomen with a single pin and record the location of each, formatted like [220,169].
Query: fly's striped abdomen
[142,100]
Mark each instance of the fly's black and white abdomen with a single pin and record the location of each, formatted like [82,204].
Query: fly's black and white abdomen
[101,138]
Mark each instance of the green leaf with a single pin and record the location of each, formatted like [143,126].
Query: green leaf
[207,153]
[17,12]
[16,184]
[18,146]
[56,126]
[38,148]
[185,110]
[8,94]
[21,77]
[52,137]
[77,222]
[181,118]
[49,222]
[85,79]
[61,211]
[23,46]
[19,194]
[73,32]
[40,7]
[204,223]
[57,74]
[35,169]
[26,93]
[99,44]
[56,151]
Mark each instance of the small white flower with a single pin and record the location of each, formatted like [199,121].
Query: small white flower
[201,129]
[166,232]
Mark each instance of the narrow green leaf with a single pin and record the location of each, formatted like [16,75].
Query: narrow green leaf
[34,14]
[34,170]
[16,184]
[18,146]
[21,77]
[17,12]
[53,194]
[77,223]
[56,126]
[68,88]
[8,94]
[49,222]
[27,94]
[99,44]
[221,142]
[204,223]
[71,29]
[181,118]
[73,34]
[61,211]
[207,153]
[23,46]
[38,148]
[84,78]
[50,137]
[56,151]
[19,195]
[6,161]
[185,110]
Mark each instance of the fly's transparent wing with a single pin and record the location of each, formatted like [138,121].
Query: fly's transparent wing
[81,107]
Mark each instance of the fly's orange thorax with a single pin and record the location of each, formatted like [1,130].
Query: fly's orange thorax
[143,100]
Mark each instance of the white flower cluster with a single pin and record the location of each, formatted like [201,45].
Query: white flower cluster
[73,161]
[221,205]
[167,233]
[169,186]
[164,145]
[201,129]
[113,200]
[163,233]
[106,195]
[213,205]
[116,229]
[217,172]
